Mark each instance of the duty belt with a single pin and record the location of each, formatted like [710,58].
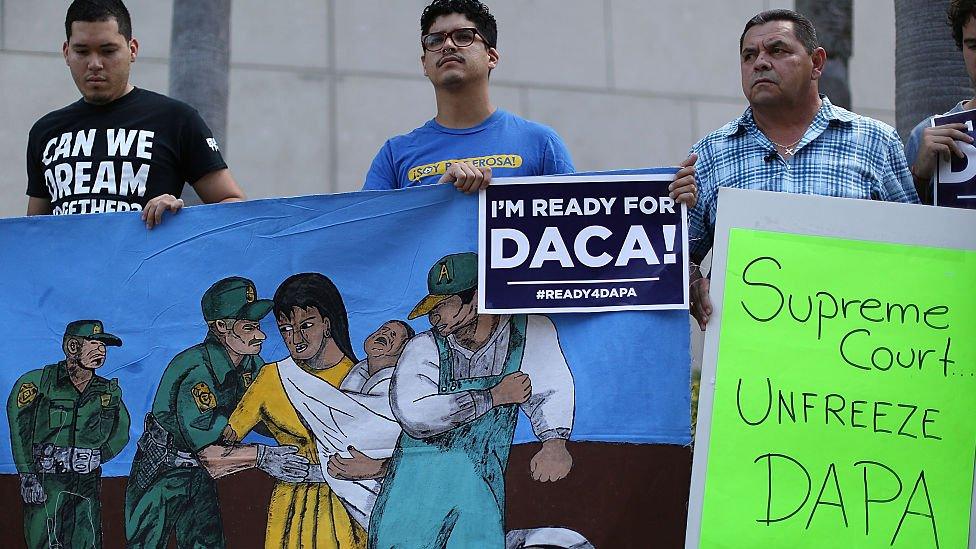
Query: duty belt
[157,454]
[65,459]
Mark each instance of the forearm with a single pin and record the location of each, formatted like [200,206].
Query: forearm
[221,461]
[429,415]
[552,405]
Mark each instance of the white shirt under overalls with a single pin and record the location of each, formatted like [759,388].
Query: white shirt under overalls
[423,412]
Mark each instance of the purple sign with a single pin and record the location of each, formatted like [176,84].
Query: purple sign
[582,243]
[955,180]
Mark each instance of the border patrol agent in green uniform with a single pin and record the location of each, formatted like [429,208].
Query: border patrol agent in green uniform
[200,388]
[65,421]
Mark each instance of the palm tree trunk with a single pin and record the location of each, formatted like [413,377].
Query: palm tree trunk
[199,64]
[834,21]
[930,76]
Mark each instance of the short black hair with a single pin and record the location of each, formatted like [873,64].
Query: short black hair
[306,290]
[960,12]
[475,11]
[803,28]
[406,327]
[92,11]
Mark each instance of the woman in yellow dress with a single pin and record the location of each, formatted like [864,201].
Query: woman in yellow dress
[313,323]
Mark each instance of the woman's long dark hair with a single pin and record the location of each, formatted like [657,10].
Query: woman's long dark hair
[316,290]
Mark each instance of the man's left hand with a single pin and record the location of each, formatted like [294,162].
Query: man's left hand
[358,466]
[467,178]
[684,189]
[152,214]
[552,462]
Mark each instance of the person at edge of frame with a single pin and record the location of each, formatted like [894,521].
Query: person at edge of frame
[926,142]
[119,147]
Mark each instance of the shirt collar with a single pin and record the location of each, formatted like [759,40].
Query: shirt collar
[219,363]
[61,373]
[827,113]
[63,379]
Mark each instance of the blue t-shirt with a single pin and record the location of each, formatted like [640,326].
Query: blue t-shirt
[508,144]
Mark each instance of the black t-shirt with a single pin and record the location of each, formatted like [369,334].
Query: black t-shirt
[116,157]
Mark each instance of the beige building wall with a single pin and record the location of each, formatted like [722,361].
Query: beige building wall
[318,85]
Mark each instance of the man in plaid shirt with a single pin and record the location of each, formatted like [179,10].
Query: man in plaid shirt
[790,139]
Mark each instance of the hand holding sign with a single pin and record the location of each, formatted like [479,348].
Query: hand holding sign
[466,177]
[153,214]
[936,141]
[684,189]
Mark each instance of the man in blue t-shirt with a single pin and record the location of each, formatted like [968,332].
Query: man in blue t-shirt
[470,139]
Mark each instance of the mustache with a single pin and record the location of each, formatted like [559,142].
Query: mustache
[765,76]
[452,57]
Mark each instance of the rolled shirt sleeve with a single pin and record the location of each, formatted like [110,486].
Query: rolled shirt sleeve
[417,404]
[897,183]
[551,407]
[701,223]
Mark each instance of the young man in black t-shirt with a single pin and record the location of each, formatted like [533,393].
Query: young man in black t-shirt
[118,148]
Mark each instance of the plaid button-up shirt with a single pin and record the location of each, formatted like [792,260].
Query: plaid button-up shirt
[841,154]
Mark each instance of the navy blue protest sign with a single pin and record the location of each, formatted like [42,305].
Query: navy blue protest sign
[582,243]
[955,180]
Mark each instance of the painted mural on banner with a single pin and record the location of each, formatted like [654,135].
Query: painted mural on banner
[583,243]
[955,178]
[837,412]
[331,343]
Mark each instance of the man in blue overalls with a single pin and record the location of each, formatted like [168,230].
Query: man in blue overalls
[455,391]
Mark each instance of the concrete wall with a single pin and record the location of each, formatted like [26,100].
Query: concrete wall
[318,85]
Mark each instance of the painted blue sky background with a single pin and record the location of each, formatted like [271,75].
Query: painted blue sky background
[631,369]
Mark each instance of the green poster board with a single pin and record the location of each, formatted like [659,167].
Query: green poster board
[844,404]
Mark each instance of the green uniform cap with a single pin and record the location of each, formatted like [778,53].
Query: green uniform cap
[451,275]
[235,298]
[91,329]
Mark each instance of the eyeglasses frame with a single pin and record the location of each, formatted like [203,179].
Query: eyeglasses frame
[450,35]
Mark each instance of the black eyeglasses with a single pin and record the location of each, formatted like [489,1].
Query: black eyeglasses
[462,38]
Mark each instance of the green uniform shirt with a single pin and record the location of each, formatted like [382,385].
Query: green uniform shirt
[45,407]
[199,390]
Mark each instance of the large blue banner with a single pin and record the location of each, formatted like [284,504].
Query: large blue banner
[332,344]
[629,369]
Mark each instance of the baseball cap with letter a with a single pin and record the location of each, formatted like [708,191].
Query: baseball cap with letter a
[451,275]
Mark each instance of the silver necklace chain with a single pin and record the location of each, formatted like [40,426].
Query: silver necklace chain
[789,149]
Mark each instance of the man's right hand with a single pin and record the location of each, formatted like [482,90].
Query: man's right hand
[466,177]
[152,215]
[31,490]
[938,141]
[282,463]
[701,302]
[514,388]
